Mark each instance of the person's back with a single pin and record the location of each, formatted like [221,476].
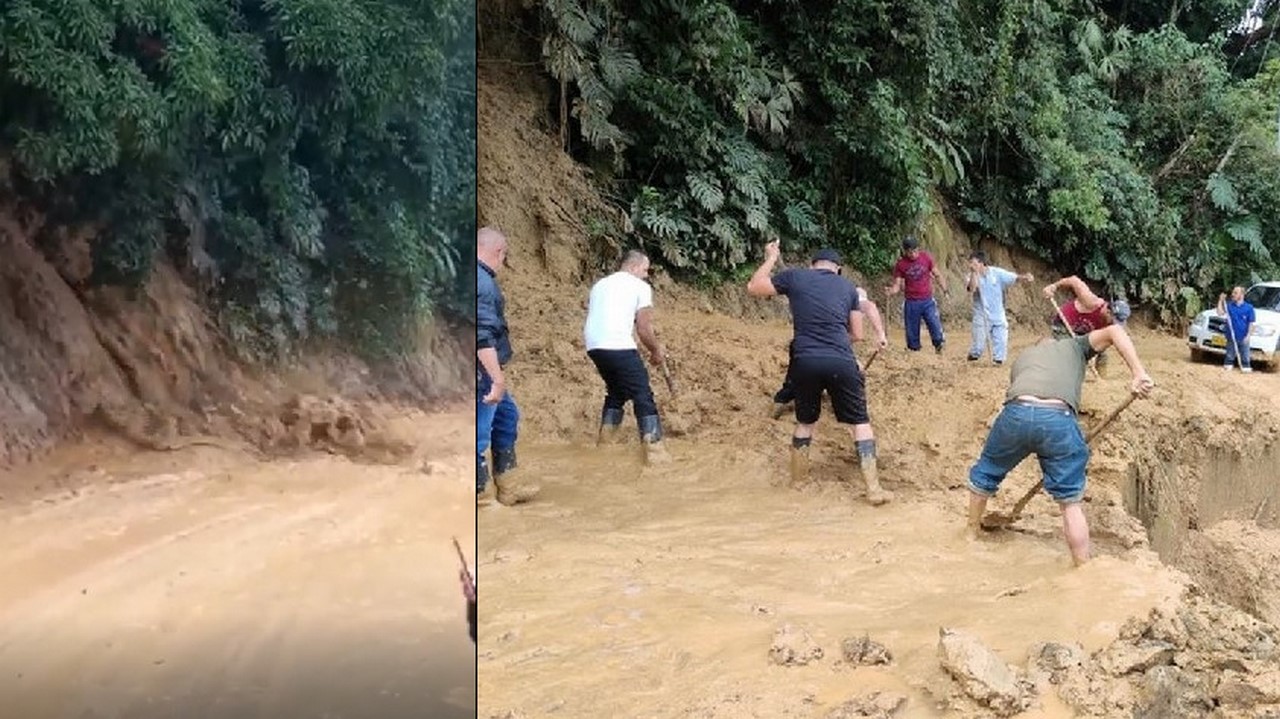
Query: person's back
[611,311]
[820,301]
[1052,369]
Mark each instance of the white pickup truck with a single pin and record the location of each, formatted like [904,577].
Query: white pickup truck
[1208,332]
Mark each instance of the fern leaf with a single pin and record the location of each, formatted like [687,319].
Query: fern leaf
[1223,193]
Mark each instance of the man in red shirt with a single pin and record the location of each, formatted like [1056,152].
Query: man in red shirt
[1085,311]
[916,269]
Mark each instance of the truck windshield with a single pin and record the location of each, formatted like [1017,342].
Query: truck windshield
[1263,298]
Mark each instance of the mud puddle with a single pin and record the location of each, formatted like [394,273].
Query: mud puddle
[656,592]
[203,583]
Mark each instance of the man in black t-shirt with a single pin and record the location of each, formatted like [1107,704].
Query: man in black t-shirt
[825,314]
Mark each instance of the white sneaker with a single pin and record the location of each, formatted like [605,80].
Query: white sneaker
[1246,369]
[1226,368]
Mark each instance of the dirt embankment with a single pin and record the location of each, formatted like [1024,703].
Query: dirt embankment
[673,591]
[150,367]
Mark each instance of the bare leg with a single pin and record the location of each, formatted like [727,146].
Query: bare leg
[1076,527]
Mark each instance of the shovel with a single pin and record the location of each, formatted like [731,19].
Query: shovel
[870,359]
[666,375]
[1000,520]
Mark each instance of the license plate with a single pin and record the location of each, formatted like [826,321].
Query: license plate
[1217,341]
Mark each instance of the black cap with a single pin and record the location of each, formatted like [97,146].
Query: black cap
[827,255]
[910,243]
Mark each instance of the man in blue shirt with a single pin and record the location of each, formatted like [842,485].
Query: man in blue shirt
[497,417]
[1241,317]
[987,285]
[825,315]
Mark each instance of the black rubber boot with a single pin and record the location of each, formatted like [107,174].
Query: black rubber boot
[651,438]
[484,488]
[610,423]
[510,490]
[650,428]
[504,460]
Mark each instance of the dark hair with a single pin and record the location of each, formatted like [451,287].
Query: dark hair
[978,255]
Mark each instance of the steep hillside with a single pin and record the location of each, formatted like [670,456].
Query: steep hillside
[150,365]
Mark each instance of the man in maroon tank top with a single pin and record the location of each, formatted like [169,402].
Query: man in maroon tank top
[1085,311]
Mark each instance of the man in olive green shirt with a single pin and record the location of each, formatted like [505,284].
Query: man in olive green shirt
[1039,417]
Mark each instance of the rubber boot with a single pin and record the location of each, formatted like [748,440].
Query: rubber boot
[510,489]
[484,488]
[651,437]
[800,461]
[973,528]
[610,423]
[780,409]
[876,495]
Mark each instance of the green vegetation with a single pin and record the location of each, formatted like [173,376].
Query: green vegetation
[313,161]
[1132,142]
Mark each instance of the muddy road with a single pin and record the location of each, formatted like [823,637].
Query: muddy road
[204,583]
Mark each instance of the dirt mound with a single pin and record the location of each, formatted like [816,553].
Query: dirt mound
[680,575]
[149,366]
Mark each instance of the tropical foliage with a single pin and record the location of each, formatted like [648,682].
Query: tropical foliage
[1132,142]
[312,160]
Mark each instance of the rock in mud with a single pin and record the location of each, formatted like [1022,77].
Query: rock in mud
[880,705]
[863,650]
[1247,691]
[1056,659]
[1124,658]
[1171,692]
[792,646]
[982,675]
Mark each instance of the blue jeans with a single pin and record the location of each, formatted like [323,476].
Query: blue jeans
[496,424]
[1051,434]
[1236,346]
[916,310]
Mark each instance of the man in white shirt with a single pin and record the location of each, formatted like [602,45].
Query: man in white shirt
[619,303]
[987,284]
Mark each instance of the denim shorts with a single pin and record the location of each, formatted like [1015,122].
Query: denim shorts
[1050,433]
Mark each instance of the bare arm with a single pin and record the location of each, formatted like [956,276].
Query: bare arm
[1083,294]
[1115,335]
[855,325]
[644,329]
[761,283]
[1027,277]
[1222,304]
[872,312]
[893,289]
[971,281]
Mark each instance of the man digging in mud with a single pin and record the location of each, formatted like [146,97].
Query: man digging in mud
[784,399]
[1084,312]
[1039,417]
[825,314]
[617,304]
[497,417]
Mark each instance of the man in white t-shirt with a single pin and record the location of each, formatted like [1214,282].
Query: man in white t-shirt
[619,303]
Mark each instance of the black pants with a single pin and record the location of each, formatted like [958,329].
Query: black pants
[839,378]
[625,378]
[788,392]
[471,618]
